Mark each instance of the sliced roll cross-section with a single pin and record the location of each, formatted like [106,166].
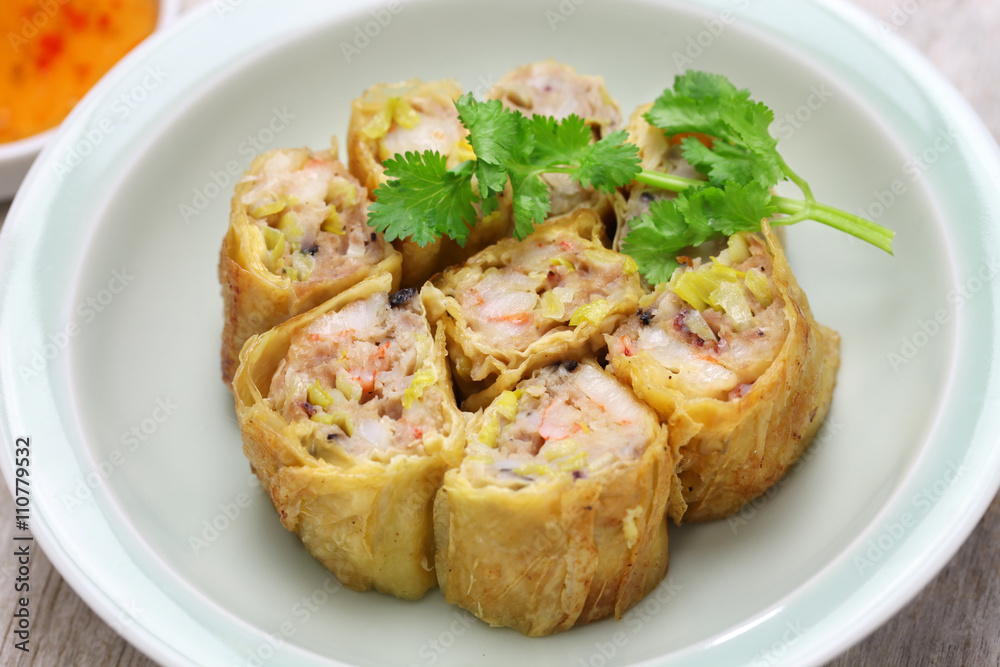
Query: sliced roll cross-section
[519,305]
[349,421]
[730,357]
[297,236]
[417,116]
[549,88]
[556,516]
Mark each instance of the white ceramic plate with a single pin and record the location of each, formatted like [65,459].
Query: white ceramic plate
[110,321]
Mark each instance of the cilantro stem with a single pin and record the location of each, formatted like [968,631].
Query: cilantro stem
[658,179]
[798,209]
[876,234]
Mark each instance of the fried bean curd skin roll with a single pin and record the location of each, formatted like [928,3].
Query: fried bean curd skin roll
[553,89]
[657,152]
[730,357]
[556,516]
[519,305]
[297,236]
[418,116]
[349,421]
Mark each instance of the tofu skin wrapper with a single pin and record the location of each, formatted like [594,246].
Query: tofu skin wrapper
[297,236]
[541,534]
[362,507]
[510,308]
[417,116]
[739,421]
[550,88]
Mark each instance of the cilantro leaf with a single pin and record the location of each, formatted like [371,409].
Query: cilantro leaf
[725,211]
[609,163]
[655,238]
[492,133]
[743,150]
[725,162]
[690,219]
[558,142]
[531,202]
[424,200]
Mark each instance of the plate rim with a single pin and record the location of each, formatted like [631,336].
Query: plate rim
[900,54]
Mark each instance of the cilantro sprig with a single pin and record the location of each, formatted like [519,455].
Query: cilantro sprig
[424,200]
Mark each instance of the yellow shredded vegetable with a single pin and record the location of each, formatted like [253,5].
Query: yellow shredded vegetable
[395,109]
[491,430]
[317,396]
[333,223]
[758,285]
[531,468]
[593,312]
[423,378]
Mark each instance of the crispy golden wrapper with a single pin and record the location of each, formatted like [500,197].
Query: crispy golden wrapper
[491,349]
[728,452]
[567,547]
[368,520]
[256,294]
[416,116]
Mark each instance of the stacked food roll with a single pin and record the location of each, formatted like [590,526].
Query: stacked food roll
[297,236]
[519,305]
[349,422]
[556,90]
[555,517]
[518,422]
[730,357]
[417,116]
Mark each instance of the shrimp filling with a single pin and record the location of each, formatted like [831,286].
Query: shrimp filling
[312,215]
[417,117]
[719,350]
[357,378]
[544,286]
[552,89]
[568,418]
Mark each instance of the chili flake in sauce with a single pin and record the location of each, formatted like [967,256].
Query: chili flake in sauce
[56,50]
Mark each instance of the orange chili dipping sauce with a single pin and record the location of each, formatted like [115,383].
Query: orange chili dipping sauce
[55,50]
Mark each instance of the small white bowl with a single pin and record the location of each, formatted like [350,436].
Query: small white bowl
[16,156]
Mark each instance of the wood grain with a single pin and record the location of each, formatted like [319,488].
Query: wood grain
[954,621]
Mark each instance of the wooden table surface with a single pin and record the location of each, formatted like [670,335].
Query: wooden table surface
[954,621]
